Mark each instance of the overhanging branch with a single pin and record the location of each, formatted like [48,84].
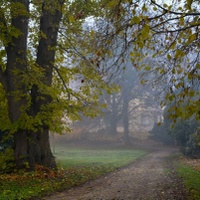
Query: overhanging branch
[64,84]
[173,12]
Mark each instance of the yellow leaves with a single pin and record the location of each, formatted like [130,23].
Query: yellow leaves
[112,3]
[180,70]
[165,5]
[147,68]
[181,21]
[92,33]
[145,31]
[189,4]
[191,38]
[169,57]
[198,66]
[134,54]
[190,76]
[135,20]
[143,81]
[173,71]
[155,8]
[159,123]
[173,45]
[71,19]
[133,12]
[179,53]
[162,71]
[144,8]
[42,35]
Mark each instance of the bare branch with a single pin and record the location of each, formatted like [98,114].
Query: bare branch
[157,16]
[168,20]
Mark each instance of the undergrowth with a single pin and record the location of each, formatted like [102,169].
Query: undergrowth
[45,181]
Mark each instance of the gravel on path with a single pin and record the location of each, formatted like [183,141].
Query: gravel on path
[149,178]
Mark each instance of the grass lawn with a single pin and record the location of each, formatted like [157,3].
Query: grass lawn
[109,157]
[77,165]
[191,179]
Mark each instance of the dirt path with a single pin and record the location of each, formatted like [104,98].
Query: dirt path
[146,179]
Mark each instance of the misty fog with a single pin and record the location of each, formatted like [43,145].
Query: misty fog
[128,117]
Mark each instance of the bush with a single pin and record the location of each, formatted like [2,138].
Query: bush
[192,147]
[6,160]
[186,133]
[161,133]
[5,141]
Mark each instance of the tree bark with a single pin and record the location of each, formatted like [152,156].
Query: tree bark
[126,119]
[113,116]
[16,90]
[39,147]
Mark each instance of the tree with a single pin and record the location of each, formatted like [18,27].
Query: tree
[40,43]
[125,107]
[169,34]
[24,99]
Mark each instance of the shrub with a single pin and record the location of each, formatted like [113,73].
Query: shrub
[186,133]
[161,133]
[6,140]
[6,160]
[192,147]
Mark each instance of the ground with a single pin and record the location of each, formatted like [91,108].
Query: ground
[150,178]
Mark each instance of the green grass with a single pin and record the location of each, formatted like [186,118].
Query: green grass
[79,165]
[96,157]
[191,180]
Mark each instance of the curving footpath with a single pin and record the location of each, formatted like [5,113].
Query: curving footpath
[149,178]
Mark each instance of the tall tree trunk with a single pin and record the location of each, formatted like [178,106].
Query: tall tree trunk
[15,88]
[39,150]
[126,119]
[113,116]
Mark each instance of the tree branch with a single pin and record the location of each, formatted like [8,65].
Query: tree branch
[168,20]
[176,30]
[173,12]
[157,16]
[64,84]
